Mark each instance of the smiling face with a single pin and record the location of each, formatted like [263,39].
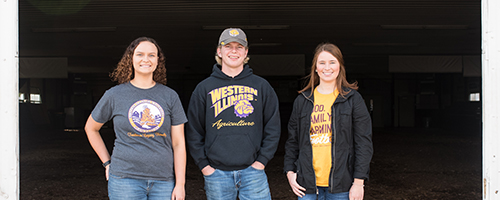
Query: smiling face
[327,67]
[233,55]
[145,58]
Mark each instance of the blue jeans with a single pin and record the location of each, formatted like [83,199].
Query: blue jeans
[137,189]
[323,194]
[247,184]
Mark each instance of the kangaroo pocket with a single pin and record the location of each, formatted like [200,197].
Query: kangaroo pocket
[232,150]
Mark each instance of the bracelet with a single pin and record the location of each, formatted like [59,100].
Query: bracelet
[105,164]
[358,184]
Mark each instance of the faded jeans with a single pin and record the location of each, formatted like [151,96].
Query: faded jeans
[323,194]
[137,189]
[247,184]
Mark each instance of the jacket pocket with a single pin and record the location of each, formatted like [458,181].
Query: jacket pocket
[346,115]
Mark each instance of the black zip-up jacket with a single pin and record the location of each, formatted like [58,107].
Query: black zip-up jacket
[352,147]
[233,122]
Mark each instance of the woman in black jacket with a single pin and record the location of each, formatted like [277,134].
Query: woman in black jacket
[329,146]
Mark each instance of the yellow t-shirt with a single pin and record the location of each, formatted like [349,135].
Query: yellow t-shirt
[321,135]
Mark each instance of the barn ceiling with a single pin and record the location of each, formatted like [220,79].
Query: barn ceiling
[93,34]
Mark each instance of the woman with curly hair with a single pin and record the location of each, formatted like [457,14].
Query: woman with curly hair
[329,145]
[149,154]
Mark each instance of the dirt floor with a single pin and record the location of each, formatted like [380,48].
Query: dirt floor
[408,164]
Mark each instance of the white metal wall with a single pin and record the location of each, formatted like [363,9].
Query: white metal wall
[491,98]
[9,103]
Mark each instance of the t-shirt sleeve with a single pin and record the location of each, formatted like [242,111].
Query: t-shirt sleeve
[103,111]
[178,114]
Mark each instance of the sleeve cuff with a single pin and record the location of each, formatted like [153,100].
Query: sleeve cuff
[203,164]
[262,160]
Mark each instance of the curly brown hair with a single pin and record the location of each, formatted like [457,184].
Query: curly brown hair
[124,71]
[341,78]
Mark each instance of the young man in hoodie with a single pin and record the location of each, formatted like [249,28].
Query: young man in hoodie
[234,124]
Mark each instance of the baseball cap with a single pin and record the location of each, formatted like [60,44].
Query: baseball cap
[233,35]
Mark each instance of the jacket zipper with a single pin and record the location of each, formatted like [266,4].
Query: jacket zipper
[333,146]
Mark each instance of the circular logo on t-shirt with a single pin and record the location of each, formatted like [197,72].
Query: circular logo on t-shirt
[146,116]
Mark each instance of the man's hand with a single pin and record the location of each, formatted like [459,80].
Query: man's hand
[258,165]
[208,170]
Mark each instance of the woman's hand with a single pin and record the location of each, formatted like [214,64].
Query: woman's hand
[296,188]
[178,193]
[357,190]
[107,172]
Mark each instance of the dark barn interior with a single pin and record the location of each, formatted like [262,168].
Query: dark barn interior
[418,65]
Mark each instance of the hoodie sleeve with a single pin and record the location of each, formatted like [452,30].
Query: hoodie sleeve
[195,129]
[272,126]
